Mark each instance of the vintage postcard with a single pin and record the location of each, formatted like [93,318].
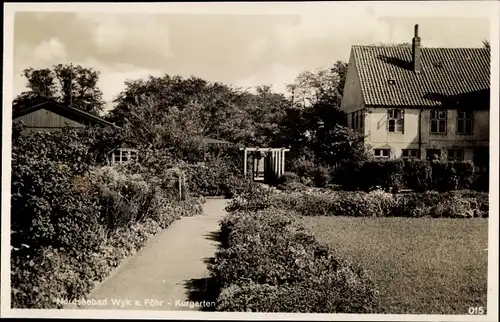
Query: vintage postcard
[254,160]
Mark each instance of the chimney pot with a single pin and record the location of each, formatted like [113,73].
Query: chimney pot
[416,59]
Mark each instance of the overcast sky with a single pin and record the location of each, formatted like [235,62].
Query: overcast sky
[242,47]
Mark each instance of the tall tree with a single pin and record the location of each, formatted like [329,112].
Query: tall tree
[70,85]
[323,85]
[316,100]
[203,108]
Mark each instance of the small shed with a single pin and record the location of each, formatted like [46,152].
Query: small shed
[51,116]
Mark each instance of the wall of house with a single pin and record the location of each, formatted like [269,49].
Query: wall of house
[479,138]
[45,120]
[378,135]
[352,99]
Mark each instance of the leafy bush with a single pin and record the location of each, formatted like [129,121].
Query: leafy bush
[288,177]
[290,181]
[395,174]
[482,182]
[321,177]
[452,175]
[72,222]
[216,177]
[377,203]
[418,175]
[254,198]
[270,263]
[452,204]
[126,218]
[303,167]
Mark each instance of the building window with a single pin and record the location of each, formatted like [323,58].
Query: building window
[353,121]
[455,155]
[122,156]
[395,120]
[382,153]
[464,122]
[411,154]
[433,154]
[439,121]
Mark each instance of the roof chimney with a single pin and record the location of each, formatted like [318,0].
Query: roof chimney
[416,51]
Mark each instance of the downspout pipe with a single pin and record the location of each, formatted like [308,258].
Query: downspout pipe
[420,132]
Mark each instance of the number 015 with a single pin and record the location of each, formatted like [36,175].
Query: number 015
[476,310]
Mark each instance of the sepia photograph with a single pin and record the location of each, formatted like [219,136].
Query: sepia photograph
[254,160]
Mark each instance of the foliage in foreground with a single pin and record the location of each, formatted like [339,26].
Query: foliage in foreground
[76,239]
[73,222]
[270,263]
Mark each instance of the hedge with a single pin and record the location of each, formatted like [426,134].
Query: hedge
[395,174]
[452,204]
[269,262]
[216,177]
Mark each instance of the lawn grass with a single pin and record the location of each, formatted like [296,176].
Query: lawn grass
[421,265]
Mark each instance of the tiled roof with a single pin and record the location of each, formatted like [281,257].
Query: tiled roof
[447,75]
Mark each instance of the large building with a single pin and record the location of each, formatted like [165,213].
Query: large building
[416,102]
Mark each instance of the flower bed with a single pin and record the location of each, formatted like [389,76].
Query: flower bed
[82,228]
[270,263]
[452,204]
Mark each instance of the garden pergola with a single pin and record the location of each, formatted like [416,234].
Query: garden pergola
[273,161]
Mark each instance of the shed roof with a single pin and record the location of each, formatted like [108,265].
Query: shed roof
[66,111]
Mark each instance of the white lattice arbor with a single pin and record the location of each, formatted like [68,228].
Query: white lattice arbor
[273,160]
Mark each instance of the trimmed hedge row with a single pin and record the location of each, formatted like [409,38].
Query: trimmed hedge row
[453,204]
[268,262]
[396,174]
[419,175]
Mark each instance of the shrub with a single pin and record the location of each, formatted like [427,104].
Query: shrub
[214,177]
[482,182]
[253,199]
[418,175]
[288,177]
[270,263]
[71,222]
[303,167]
[394,174]
[377,203]
[290,181]
[321,176]
[452,204]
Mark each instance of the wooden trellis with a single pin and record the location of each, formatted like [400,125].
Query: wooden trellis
[181,182]
[274,160]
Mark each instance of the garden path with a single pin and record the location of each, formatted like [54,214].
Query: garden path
[170,270]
